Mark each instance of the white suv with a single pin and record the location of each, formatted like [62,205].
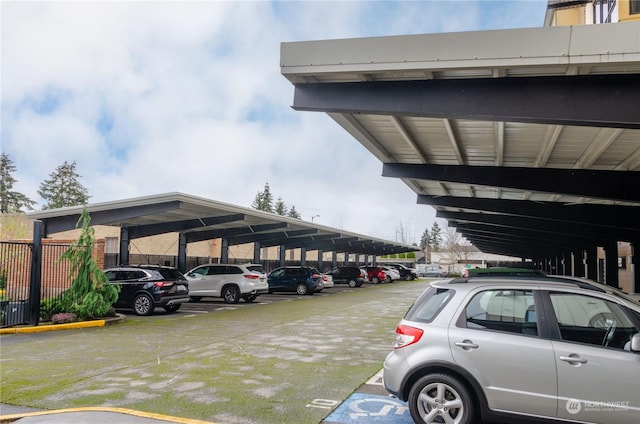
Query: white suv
[231,282]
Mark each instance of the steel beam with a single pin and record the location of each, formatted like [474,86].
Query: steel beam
[584,100]
[603,184]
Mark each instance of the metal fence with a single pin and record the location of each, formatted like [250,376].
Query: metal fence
[15,278]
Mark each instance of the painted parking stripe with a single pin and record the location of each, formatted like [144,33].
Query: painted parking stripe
[365,408]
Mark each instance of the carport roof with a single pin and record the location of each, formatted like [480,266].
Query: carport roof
[203,219]
[526,140]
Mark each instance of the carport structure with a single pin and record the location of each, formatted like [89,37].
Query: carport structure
[196,219]
[526,140]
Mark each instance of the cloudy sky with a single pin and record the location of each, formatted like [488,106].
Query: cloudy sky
[155,97]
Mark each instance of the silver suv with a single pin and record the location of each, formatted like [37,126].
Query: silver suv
[231,282]
[490,348]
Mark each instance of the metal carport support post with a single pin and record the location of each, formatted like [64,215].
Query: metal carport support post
[256,252]
[635,259]
[320,264]
[303,256]
[611,263]
[578,263]
[182,252]
[35,280]
[124,246]
[592,262]
[224,251]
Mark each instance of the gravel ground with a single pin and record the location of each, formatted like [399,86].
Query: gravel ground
[262,363]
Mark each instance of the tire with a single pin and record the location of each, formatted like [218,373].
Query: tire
[388,279]
[143,304]
[250,298]
[375,280]
[230,294]
[429,397]
[359,284]
[352,283]
[302,288]
[408,277]
[172,308]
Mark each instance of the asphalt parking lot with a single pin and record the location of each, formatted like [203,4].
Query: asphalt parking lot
[284,358]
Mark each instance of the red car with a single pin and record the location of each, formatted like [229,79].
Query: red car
[377,275]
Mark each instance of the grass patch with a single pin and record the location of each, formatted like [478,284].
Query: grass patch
[262,363]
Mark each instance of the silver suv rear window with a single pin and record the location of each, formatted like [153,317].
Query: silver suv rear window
[429,304]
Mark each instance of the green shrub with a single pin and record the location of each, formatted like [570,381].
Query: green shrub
[90,295]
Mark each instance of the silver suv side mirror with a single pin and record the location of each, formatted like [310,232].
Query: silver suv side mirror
[635,343]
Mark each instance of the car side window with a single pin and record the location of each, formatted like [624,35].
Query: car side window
[278,273]
[203,270]
[234,270]
[111,275]
[216,270]
[136,275]
[512,311]
[591,320]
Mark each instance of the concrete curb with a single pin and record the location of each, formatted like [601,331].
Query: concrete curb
[69,326]
[127,412]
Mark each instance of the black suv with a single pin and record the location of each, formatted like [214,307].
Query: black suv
[407,274]
[351,275]
[143,287]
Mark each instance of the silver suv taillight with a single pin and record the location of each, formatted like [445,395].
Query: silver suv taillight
[406,335]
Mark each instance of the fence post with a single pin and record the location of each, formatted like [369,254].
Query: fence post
[35,281]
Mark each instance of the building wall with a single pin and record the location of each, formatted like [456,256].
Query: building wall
[574,16]
[624,10]
[590,13]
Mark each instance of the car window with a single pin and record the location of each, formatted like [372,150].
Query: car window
[203,270]
[111,275]
[256,268]
[429,304]
[503,310]
[136,275]
[216,270]
[278,273]
[591,320]
[234,270]
[170,273]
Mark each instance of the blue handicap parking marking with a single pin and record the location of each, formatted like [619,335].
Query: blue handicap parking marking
[364,408]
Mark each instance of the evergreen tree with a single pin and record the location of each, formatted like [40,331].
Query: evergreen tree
[436,237]
[424,241]
[90,295]
[293,213]
[63,188]
[267,198]
[11,201]
[263,200]
[280,208]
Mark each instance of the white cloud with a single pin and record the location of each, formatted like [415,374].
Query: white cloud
[156,97]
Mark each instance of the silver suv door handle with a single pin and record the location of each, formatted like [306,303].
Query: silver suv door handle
[573,359]
[466,344]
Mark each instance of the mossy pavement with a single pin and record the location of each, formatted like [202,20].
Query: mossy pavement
[258,363]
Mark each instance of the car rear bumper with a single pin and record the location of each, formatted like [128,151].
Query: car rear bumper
[174,300]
